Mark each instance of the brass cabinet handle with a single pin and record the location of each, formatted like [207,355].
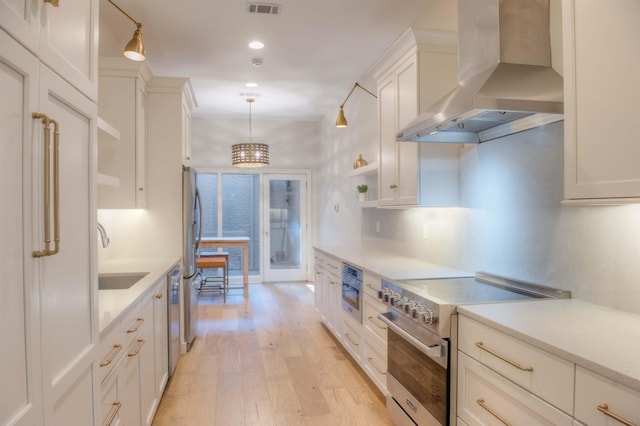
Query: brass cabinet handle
[46,121]
[114,412]
[382,327]
[112,354]
[54,3]
[135,328]
[370,286]
[333,266]
[332,282]
[141,189]
[136,350]
[492,412]
[351,340]
[604,408]
[508,361]
[370,360]
[394,186]
[159,296]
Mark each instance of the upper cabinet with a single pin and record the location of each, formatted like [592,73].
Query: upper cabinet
[417,71]
[123,104]
[64,37]
[602,101]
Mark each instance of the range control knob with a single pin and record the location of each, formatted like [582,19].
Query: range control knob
[408,307]
[425,316]
[392,300]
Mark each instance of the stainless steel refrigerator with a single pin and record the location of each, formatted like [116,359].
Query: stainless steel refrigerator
[191,233]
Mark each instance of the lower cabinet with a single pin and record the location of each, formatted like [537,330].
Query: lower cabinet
[365,340]
[134,361]
[502,379]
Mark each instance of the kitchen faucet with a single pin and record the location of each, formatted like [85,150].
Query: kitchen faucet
[103,236]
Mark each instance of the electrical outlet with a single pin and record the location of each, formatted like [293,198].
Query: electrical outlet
[425,231]
[336,208]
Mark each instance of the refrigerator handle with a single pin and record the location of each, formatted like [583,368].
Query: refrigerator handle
[199,203]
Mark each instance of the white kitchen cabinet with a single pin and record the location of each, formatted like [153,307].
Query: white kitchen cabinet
[407,87]
[485,397]
[352,340]
[154,370]
[599,399]
[123,104]
[601,101]
[64,37]
[111,398]
[48,301]
[541,373]
[187,107]
[19,313]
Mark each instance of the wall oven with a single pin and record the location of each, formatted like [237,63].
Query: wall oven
[421,321]
[352,291]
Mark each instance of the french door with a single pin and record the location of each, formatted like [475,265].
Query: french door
[285,227]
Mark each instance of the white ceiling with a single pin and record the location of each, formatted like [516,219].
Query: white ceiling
[315,50]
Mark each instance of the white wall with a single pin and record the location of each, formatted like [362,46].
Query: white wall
[292,144]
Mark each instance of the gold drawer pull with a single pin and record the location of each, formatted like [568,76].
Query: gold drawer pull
[136,351]
[382,327]
[604,408]
[159,296]
[351,340]
[370,360]
[394,186]
[493,413]
[135,328]
[333,266]
[370,286]
[112,354]
[508,361]
[332,282]
[114,413]
[54,3]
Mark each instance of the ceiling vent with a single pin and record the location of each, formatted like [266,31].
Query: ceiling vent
[264,8]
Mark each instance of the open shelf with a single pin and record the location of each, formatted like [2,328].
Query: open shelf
[106,180]
[108,129]
[368,204]
[368,170]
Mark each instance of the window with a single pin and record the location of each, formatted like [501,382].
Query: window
[231,205]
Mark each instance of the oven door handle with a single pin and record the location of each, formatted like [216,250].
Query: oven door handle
[432,351]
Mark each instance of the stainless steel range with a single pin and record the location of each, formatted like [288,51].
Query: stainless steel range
[422,339]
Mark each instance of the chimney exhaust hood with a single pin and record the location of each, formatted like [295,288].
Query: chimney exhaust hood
[506,83]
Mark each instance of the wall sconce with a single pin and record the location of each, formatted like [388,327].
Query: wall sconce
[250,154]
[134,50]
[342,121]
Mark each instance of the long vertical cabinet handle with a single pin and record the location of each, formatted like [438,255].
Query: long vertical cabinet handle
[46,121]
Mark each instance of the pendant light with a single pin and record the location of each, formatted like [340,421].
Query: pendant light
[134,50]
[250,154]
[342,120]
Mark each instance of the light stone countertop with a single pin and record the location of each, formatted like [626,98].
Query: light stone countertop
[391,265]
[603,340]
[112,303]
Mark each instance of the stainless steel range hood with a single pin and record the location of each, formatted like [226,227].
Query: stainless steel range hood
[506,83]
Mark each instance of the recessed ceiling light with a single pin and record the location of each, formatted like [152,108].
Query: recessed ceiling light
[257,45]
[251,84]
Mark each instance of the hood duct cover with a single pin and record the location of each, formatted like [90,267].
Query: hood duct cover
[506,83]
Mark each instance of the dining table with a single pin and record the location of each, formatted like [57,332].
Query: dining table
[232,242]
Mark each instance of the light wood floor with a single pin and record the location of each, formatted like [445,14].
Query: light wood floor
[267,361]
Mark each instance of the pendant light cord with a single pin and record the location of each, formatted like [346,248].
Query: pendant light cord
[250,101]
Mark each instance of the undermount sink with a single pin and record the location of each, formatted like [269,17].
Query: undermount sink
[119,281]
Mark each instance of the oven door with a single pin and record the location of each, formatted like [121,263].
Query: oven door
[418,379]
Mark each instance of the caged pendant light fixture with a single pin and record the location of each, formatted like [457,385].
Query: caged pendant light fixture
[342,121]
[250,154]
[134,50]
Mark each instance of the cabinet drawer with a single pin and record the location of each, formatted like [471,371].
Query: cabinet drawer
[352,338]
[371,284]
[115,341]
[371,309]
[110,399]
[593,390]
[374,363]
[333,265]
[484,397]
[549,377]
